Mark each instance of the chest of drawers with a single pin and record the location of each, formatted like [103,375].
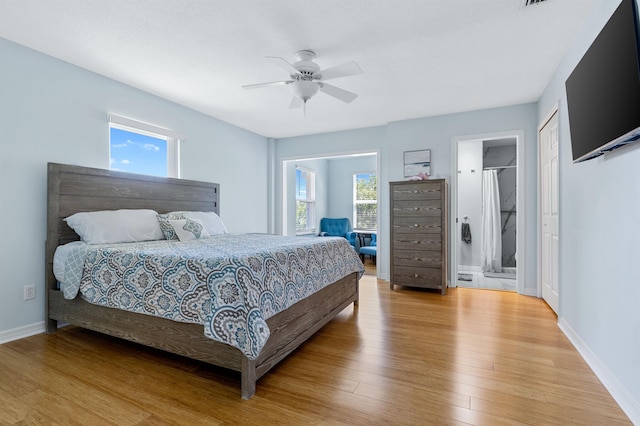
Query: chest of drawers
[419,233]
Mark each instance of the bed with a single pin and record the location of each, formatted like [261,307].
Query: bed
[73,189]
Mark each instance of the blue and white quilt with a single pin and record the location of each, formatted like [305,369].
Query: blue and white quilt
[229,283]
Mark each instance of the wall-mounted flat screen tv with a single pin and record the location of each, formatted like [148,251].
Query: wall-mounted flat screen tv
[603,91]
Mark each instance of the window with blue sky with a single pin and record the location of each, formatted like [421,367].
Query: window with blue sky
[305,201]
[137,153]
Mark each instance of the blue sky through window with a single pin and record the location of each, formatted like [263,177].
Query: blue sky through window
[136,153]
[364,176]
[301,184]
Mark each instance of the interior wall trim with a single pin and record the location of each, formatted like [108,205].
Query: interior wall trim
[22,332]
[618,392]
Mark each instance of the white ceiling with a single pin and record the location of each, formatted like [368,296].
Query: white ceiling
[420,57]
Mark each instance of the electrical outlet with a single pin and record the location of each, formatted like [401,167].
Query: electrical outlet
[29,292]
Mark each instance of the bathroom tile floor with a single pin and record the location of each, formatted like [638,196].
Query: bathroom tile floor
[478,280]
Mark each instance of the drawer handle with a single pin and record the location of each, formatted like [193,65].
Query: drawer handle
[415,208]
[415,275]
[415,225]
[415,191]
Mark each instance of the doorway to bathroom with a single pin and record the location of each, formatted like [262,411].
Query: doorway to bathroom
[487,209]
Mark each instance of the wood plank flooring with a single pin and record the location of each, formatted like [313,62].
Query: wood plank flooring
[476,357]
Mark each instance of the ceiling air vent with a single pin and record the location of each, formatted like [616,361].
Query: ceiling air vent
[530,2]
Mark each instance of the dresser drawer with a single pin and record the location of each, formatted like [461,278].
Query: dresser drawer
[417,191]
[417,277]
[417,242]
[413,224]
[420,259]
[417,208]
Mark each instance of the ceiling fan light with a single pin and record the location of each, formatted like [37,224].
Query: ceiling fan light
[304,89]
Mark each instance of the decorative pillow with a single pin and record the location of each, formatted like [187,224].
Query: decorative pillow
[188,229]
[165,224]
[210,220]
[116,226]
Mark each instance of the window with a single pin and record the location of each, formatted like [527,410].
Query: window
[365,201]
[142,148]
[305,201]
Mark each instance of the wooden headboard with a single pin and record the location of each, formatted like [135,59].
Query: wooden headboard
[73,189]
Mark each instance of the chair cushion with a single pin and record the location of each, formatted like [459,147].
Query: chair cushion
[369,250]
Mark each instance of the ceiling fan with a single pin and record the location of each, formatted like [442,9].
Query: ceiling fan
[306,78]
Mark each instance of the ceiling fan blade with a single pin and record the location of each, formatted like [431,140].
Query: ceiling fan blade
[280,62]
[336,92]
[344,70]
[296,102]
[273,83]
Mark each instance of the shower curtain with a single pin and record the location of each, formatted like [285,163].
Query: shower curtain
[491,243]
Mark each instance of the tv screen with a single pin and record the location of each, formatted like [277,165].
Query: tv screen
[603,91]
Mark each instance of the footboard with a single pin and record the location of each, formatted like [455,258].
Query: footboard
[289,329]
[293,326]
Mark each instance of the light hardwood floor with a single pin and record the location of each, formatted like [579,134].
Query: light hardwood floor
[402,357]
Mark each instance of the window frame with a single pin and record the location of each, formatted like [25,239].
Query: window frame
[172,138]
[310,200]
[357,202]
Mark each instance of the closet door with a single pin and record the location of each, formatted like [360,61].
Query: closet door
[548,139]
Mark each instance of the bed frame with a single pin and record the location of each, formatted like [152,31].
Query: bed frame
[73,189]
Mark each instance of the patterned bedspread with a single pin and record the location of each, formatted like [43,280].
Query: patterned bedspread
[229,283]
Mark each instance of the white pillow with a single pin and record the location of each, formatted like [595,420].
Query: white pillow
[116,226]
[188,229]
[210,220]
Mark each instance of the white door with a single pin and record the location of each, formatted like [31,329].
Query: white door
[548,139]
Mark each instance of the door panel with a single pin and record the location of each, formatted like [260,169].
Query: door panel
[549,187]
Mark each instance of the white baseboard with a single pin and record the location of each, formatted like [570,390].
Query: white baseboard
[467,268]
[22,332]
[620,394]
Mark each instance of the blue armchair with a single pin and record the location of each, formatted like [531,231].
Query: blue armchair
[371,249]
[337,227]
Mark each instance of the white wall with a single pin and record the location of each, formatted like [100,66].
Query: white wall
[433,133]
[51,111]
[470,201]
[599,237]
[341,171]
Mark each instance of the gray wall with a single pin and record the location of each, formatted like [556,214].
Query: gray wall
[599,234]
[51,111]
